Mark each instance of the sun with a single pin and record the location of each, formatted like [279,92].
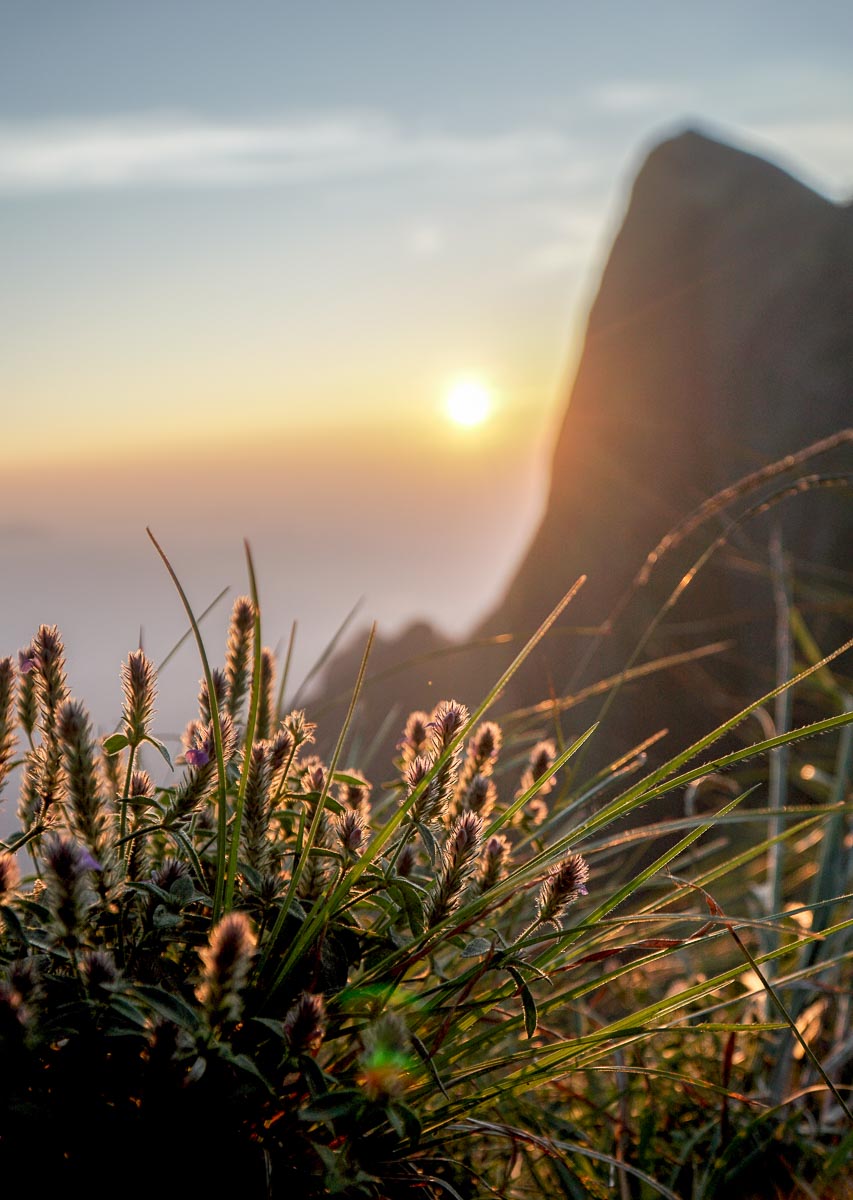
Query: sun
[468,402]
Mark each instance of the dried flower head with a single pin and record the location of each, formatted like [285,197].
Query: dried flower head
[406,861]
[220,689]
[355,795]
[387,1058]
[458,860]
[139,684]
[350,832]
[492,867]
[27,701]
[89,816]
[48,655]
[169,872]
[141,789]
[315,876]
[112,769]
[266,698]
[312,775]
[483,749]
[239,652]
[256,809]
[199,779]
[447,719]
[305,1024]
[429,804]
[479,796]
[9,875]
[99,970]
[7,717]
[282,747]
[415,738]
[226,961]
[68,891]
[542,756]
[300,730]
[563,884]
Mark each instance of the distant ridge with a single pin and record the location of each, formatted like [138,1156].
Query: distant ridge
[721,338]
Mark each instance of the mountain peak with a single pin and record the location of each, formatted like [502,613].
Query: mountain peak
[692,165]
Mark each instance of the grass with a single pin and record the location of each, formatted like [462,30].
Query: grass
[490,976]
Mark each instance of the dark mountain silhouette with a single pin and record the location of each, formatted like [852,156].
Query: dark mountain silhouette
[720,340]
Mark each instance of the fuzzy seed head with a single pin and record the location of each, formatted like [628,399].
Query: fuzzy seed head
[415,738]
[563,884]
[169,872]
[226,961]
[27,701]
[387,1057]
[459,858]
[356,795]
[542,756]
[312,774]
[7,717]
[416,772]
[220,689]
[305,1024]
[141,787]
[480,796]
[256,810]
[68,892]
[239,653]
[9,875]
[350,831]
[139,684]
[99,970]
[89,816]
[48,655]
[282,746]
[266,698]
[406,861]
[300,730]
[492,867]
[447,719]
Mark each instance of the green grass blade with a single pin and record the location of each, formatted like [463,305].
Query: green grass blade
[221,793]
[251,721]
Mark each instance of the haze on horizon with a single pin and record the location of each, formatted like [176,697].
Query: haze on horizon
[248,249]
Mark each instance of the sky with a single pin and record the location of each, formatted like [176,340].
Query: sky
[247,248]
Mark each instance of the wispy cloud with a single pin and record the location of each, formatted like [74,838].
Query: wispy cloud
[174,151]
[637,96]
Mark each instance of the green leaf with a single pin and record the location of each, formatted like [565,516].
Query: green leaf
[123,1006]
[152,741]
[115,742]
[527,1002]
[332,1105]
[182,890]
[428,841]
[404,1121]
[10,920]
[411,906]
[426,1058]
[171,1008]
[163,919]
[476,947]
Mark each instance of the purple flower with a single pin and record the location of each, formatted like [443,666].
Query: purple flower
[88,862]
[198,757]
[28,661]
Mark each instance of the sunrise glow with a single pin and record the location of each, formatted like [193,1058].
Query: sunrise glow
[468,402]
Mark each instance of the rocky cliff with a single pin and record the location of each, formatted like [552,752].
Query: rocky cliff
[721,339]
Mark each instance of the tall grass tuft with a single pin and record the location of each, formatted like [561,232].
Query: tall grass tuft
[246,968]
